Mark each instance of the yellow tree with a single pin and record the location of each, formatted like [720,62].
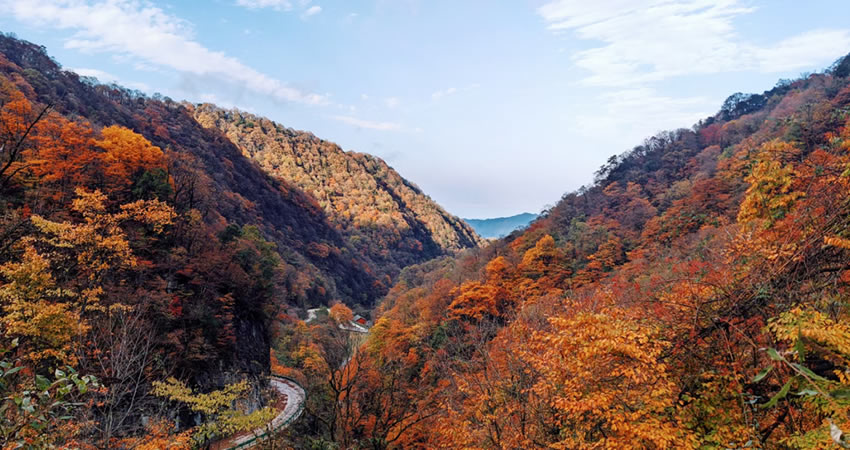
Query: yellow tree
[602,376]
[37,312]
[477,300]
[341,314]
[771,194]
[125,154]
[46,313]
[98,246]
[219,408]
[544,267]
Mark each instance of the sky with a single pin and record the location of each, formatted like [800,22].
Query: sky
[493,108]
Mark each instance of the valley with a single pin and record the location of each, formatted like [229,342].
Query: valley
[178,275]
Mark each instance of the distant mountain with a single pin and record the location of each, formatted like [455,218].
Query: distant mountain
[384,216]
[500,226]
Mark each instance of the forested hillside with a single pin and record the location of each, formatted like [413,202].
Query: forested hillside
[222,185]
[695,295]
[157,258]
[380,213]
[145,262]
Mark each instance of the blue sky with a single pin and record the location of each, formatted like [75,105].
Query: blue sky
[492,107]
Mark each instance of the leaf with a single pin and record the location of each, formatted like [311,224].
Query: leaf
[840,394]
[807,392]
[41,382]
[836,434]
[799,347]
[779,395]
[774,355]
[762,374]
[808,372]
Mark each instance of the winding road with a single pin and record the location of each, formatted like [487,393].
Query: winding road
[295,396]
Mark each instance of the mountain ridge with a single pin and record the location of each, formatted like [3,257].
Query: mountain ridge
[498,227]
[705,266]
[381,213]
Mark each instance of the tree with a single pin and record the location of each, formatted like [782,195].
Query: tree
[341,314]
[37,312]
[64,158]
[17,123]
[771,194]
[602,376]
[479,300]
[98,247]
[126,156]
[219,409]
[35,412]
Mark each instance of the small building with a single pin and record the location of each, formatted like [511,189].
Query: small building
[360,320]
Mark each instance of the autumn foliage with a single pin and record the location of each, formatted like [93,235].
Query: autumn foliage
[693,296]
[108,268]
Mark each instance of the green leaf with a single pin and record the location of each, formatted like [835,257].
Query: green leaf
[779,395]
[762,374]
[799,347]
[840,394]
[774,355]
[807,392]
[808,372]
[41,382]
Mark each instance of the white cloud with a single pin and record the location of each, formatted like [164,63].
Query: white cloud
[106,77]
[453,90]
[280,5]
[636,113]
[442,93]
[143,31]
[371,125]
[96,73]
[311,11]
[392,102]
[804,50]
[652,40]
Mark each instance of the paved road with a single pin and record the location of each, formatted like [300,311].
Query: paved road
[295,396]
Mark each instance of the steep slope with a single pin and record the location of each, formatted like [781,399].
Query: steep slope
[500,226]
[137,245]
[237,189]
[693,296]
[382,214]
[223,291]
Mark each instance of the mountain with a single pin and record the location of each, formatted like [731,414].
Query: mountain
[352,203]
[234,189]
[693,296]
[501,226]
[142,239]
[156,259]
[381,214]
